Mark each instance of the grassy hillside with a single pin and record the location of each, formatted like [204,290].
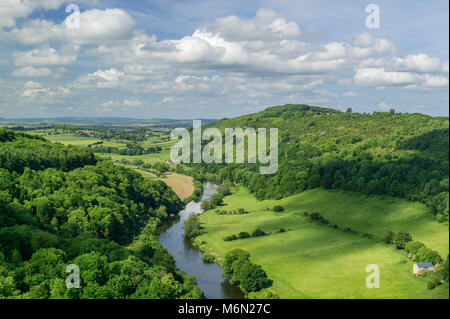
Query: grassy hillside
[310,260]
[402,155]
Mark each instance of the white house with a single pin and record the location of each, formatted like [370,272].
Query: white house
[420,266]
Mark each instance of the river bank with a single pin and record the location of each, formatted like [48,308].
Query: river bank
[188,257]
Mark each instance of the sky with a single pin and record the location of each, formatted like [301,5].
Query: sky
[214,59]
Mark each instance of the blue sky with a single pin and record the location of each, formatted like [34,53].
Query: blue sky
[214,59]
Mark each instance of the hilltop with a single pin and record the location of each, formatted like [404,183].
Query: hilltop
[402,155]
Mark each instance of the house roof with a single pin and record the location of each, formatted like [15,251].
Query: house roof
[425,265]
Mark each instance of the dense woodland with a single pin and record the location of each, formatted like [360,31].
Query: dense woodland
[403,155]
[60,205]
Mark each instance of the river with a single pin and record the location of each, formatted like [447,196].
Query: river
[189,258]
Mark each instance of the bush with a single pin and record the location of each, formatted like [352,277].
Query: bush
[278,208]
[348,230]
[427,255]
[230,238]
[191,227]
[282,230]
[242,211]
[258,232]
[208,258]
[243,234]
[238,268]
[413,247]
[401,238]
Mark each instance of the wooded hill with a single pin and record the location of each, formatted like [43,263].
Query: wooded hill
[60,205]
[403,155]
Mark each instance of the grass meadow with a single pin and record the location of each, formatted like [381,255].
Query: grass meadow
[309,260]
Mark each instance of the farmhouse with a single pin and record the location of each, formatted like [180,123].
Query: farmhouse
[420,266]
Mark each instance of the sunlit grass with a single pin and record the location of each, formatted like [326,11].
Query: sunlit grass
[317,261]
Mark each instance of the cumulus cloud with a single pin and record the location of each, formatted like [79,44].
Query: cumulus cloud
[267,25]
[30,71]
[47,55]
[235,60]
[381,77]
[13,9]
[95,27]
[99,79]
[35,92]
[350,94]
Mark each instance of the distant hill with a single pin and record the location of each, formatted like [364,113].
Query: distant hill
[99,121]
[403,155]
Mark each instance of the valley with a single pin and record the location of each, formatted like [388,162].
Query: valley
[341,191]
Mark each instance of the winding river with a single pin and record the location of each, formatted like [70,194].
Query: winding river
[189,258]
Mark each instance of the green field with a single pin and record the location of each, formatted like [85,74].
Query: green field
[316,261]
[70,139]
[182,185]
[147,158]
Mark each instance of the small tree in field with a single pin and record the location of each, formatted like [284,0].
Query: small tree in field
[401,238]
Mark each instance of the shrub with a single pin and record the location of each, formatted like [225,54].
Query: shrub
[427,255]
[387,239]
[401,238]
[278,208]
[413,247]
[314,216]
[243,234]
[271,295]
[208,258]
[258,232]
[348,230]
[230,238]
[242,211]
[191,227]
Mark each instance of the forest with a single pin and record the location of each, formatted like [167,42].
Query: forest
[402,155]
[61,205]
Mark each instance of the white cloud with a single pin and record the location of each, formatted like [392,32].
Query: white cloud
[30,71]
[170,100]
[126,102]
[238,61]
[109,104]
[46,55]
[44,95]
[96,26]
[99,79]
[381,77]
[13,9]
[350,94]
[32,85]
[267,25]
[132,102]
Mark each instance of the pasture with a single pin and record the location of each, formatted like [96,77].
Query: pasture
[310,260]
